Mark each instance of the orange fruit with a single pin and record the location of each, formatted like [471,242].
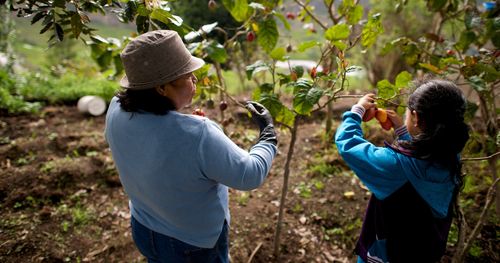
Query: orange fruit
[381,115]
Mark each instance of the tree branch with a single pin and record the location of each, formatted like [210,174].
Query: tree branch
[468,159]
[311,14]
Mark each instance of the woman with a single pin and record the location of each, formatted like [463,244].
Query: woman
[176,168]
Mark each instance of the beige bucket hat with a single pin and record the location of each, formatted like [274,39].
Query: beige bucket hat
[155,58]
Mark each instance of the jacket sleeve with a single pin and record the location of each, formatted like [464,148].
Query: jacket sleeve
[377,167]
[221,160]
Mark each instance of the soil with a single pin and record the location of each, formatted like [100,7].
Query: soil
[62,201]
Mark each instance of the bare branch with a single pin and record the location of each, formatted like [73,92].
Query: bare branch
[311,14]
[468,159]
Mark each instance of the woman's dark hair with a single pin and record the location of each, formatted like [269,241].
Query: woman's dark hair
[148,100]
[440,107]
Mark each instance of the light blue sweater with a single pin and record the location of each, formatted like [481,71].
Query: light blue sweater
[176,169]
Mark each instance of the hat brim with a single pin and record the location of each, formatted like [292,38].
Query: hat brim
[193,64]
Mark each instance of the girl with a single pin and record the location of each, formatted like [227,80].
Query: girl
[415,180]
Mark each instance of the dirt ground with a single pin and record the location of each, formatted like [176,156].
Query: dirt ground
[62,201]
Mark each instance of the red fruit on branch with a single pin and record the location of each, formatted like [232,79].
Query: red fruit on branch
[250,36]
[387,125]
[223,106]
[313,72]
[450,52]
[199,112]
[369,114]
[290,15]
[289,48]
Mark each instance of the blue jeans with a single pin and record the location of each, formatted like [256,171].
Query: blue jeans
[159,248]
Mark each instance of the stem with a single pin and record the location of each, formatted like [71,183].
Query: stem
[254,252]
[223,87]
[311,14]
[480,158]
[284,190]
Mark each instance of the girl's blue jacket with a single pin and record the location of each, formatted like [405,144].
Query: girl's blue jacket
[384,170]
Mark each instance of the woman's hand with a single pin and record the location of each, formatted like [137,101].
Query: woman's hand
[260,115]
[367,101]
[396,120]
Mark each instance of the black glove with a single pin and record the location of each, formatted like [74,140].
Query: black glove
[263,118]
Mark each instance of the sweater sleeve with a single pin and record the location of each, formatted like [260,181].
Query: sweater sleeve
[377,167]
[223,161]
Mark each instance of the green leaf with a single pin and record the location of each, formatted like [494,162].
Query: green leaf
[118,65]
[339,44]
[216,52]
[46,27]
[403,79]
[283,20]
[305,96]
[76,25]
[466,38]
[237,8]
[105,60]
[143,11]
[477,83]
[258,66]
[268,34]
[307,45]
[279,111]
[385,89]
[355,14]
[304,102]
[37,17]
[430,67]
[59,32]
[266,88]
[371,30]
[286,116]
[337,32]
[299,70]
[278,53]
[161,15]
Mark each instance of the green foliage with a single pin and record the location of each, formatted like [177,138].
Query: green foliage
[195,14]
[306,95]
[239,9]
[10,100]
[268,34]
[372,29]
[68,88]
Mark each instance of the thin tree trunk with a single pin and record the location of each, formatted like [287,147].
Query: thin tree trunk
[285,188]
[218,70]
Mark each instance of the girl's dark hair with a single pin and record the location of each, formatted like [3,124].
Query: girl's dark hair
[440,107]
[148,100]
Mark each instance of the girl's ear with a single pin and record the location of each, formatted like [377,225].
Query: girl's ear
[415,119]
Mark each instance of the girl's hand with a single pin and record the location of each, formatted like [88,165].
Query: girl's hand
[396,120]
[367,101]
